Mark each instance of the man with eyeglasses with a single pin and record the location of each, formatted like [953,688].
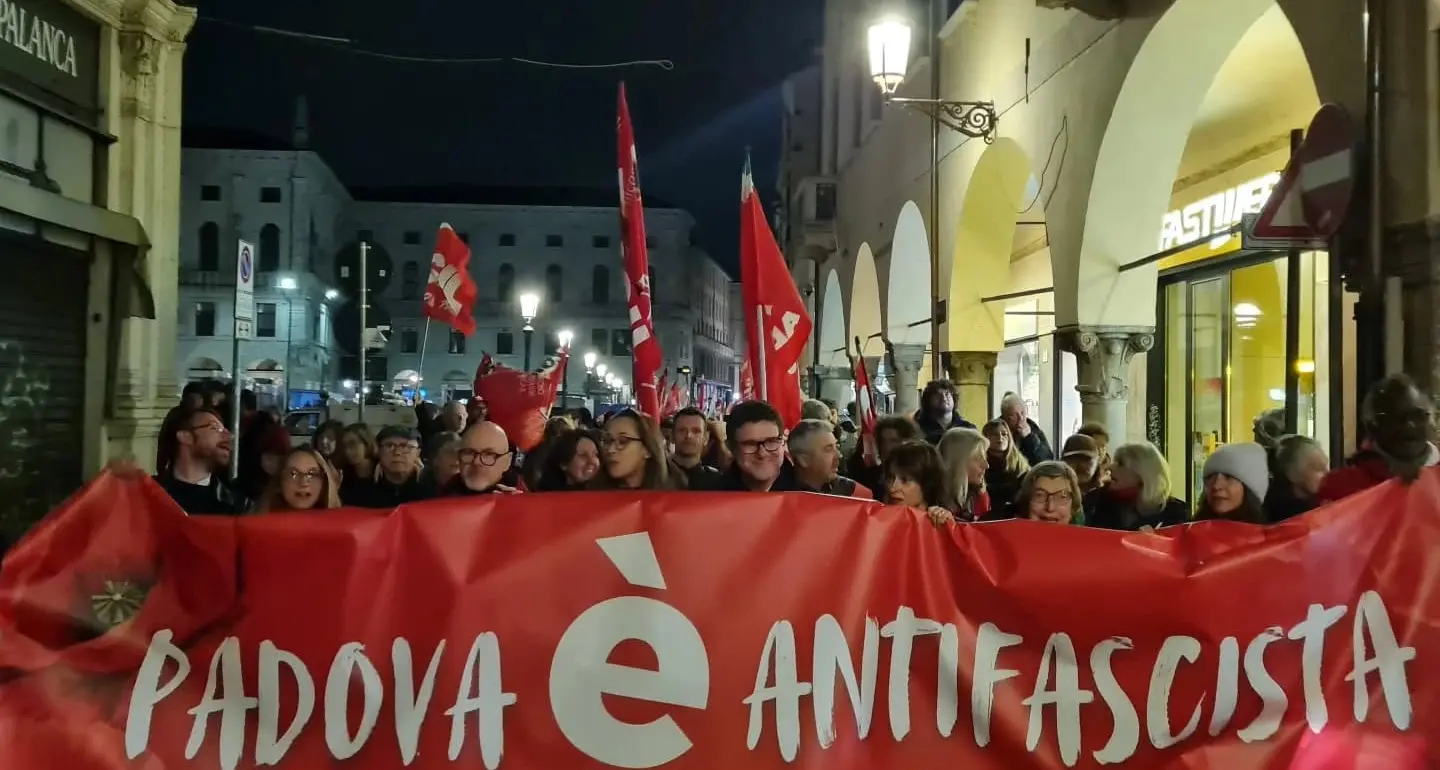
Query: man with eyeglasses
[196,445]
[756,438]
[486,458]
[397,472]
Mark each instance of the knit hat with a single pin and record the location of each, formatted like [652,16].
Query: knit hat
[1247,463]
[1080,445]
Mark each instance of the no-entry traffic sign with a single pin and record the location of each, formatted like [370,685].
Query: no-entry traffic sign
[244,290]
[1313,194]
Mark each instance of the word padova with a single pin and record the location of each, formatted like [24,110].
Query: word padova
[1054,704]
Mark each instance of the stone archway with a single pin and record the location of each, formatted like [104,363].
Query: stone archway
[832,369]
[907,310]
[1105,315]
[1000,190]
[865,318]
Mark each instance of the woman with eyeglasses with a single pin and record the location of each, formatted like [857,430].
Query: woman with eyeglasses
[306,482]
[1050,492]
[632,456]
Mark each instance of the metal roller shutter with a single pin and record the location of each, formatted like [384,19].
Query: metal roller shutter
[43,297]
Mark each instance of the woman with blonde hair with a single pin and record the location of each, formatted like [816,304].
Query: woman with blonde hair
[1007,468]
[1138,495]
[963,456]
[306,482]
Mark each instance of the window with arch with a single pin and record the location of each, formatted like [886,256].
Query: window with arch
[269,249]
[554,284]
[209,246]
[600,285]
[410,280]
[506,283]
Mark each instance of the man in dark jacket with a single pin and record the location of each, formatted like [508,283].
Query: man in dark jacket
[1399,420]
[196,445]
[937,411]
[397,472]
[691,435]
[1027,434]
[815,458]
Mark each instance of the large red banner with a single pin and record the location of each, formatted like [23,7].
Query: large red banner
[595,630]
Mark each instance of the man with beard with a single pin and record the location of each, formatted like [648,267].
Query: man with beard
[196,444]
[1400,423]
[691,437]
[816,457]
[937,411]
[486,460]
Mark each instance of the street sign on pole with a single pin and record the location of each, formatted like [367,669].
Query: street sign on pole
[245,291]
[1309,202]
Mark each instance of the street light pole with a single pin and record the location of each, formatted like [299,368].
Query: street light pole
[529,308]
[565,336]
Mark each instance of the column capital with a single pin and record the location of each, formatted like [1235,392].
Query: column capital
[1102,355]
[909,357]
[970,367]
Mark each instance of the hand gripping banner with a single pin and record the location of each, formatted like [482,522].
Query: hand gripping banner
[612,630]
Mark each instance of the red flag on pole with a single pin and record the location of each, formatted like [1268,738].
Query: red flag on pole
[865,405]
[645,347]
[776,324]
[450,293]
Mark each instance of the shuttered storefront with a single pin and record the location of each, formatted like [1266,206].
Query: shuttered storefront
[43,295]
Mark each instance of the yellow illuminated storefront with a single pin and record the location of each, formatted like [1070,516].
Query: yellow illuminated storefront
[1227,337]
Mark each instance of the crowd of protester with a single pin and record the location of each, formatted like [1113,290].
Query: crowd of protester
[934,461]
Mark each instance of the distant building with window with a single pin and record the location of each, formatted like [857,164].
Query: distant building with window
[284,199]
[563,244]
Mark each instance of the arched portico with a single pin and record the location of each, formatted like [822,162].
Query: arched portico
[833,366]
[1000,190]
[865,318]
[1106,314]
[907,307]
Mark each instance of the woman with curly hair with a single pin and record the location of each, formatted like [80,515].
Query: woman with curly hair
[306,482]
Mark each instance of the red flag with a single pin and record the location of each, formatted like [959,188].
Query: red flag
[450,294]
[662,394]
[776,324]
[865,405]
[645,346]
[520,401]
[747,381]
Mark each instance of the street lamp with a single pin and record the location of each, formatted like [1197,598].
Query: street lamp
[590,359]
[529,308]
[600,371]
[565,336]
[332,294]
[889,47]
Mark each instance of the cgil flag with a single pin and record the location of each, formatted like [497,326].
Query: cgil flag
[645,346]
[776,324]
[450,293]
[865,406]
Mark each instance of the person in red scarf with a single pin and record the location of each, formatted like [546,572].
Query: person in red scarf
[1138,495]
[1400,421]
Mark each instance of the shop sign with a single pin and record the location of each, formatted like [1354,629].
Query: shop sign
[51,45]
[1214,214]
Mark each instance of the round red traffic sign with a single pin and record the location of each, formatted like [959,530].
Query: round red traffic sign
[1327,169]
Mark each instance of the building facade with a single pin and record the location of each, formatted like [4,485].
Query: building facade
[90,96]
[1083,255]
[561,244]
[289,204]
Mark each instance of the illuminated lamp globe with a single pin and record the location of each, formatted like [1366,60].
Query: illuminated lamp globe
[889,43]
[590,359]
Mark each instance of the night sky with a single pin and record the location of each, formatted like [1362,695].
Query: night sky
[380,121]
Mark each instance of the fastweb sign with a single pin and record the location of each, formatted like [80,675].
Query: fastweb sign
[1219,212]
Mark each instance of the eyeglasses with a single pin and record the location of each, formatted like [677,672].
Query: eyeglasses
[768,444]
[215,426]
[399,447]
[305,476]
[1042,499]
[486,457]
[618,443]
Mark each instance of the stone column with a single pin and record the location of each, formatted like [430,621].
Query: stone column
[835,384]
[909,360]
[1102,357]
[972,372]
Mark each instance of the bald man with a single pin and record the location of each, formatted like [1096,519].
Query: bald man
[485,460]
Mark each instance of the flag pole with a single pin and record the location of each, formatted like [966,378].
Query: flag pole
[762,383]
[424,341]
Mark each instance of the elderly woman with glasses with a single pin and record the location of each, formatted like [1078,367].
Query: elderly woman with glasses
[1050,492]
